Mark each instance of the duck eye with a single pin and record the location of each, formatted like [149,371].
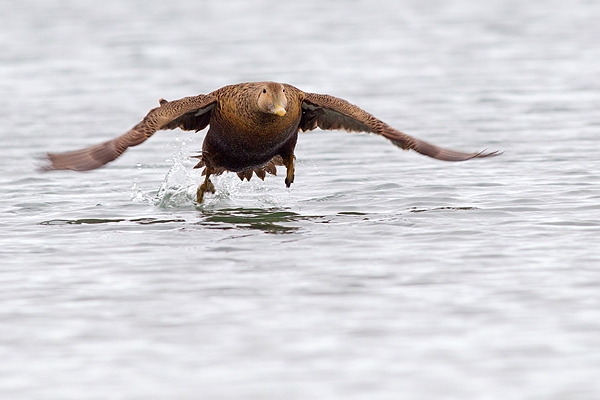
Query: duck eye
[264,90]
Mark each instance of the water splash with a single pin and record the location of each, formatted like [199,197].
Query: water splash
[178,188]
[139,196]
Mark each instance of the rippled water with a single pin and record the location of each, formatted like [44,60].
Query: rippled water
[379,275]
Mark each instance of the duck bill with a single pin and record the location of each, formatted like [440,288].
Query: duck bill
[279,105]
[279,110]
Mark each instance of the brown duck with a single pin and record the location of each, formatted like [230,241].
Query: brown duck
[253,127]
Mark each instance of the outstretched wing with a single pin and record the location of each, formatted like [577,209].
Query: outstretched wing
[329,112]
[189,113]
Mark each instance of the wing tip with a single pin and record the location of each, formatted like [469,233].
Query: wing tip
[72,161]
[484,154]
[43,162]
[444,154]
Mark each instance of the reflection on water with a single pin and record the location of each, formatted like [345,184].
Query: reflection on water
[94,221]
[268,221]
[420,210]
[275,221]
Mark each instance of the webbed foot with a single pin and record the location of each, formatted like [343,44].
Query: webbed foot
[207,186]
[289,180]
[289,165]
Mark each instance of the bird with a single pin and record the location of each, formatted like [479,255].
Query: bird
[253,128]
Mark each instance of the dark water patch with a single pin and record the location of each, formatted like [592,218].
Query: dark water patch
[151,221]
[95,221]
[352,213]
[420,210]
[269,221]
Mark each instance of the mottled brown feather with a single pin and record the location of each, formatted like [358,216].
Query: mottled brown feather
[329,112]
[189,113]
[261,173]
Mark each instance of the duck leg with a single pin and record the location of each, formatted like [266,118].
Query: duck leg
[288,162]
[207,185]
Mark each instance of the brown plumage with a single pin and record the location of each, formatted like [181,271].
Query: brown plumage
[253,128]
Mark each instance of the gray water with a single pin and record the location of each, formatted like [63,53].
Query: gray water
[380,274]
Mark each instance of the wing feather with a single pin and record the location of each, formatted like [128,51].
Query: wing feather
[189,113]
[329,112]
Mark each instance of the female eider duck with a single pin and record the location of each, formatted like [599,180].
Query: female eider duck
[253,127]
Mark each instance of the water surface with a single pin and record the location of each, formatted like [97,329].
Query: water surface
[379,274]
